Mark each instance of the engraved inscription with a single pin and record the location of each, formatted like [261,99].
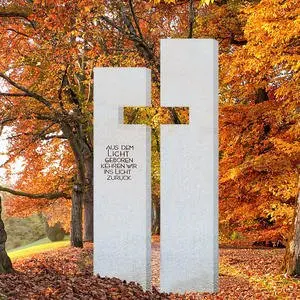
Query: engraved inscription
[119,163]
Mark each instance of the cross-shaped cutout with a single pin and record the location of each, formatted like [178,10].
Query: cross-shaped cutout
[154,117]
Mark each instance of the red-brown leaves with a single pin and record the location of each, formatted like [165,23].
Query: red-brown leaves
[67,274]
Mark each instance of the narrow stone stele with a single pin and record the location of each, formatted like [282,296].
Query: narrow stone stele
[122,177]
[189,168]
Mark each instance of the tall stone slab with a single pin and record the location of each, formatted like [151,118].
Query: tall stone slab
[189,167]
[122,175]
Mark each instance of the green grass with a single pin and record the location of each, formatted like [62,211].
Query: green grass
[37,247]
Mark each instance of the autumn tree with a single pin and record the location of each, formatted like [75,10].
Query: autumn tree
[48,65]
[259,118]
[51,72]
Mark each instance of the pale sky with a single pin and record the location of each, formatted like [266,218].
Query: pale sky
[3,158]
[17,167]
[3,147]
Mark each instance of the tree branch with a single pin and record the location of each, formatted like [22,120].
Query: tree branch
[6,120]
[48,196]
[57,136]
[35,137]
[238,43]
[191,18]
[26,91]
[175,117]
[145,50]
[14,95]
[3,122]
[62,86]
[18,32]
[14,14]
[135,19]
[233,41]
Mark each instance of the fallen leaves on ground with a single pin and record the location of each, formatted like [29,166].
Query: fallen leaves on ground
[67,274]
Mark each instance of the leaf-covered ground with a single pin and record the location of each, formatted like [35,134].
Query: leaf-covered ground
[67,274]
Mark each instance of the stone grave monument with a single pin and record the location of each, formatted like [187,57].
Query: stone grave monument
[189,172]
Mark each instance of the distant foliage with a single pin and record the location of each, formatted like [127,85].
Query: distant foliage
[52,49]
[23,231]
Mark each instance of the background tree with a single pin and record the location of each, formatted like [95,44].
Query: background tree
[48,64]
[53,131]
[5,263]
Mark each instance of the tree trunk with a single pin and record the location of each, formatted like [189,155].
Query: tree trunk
[5,262]
[155,216]
[292,255]
[88,221]
[84,161]
[76,222]
[88,203]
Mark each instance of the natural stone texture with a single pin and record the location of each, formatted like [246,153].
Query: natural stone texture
[189,168]
[122,211]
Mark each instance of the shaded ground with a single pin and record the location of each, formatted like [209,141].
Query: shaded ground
[67,274]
